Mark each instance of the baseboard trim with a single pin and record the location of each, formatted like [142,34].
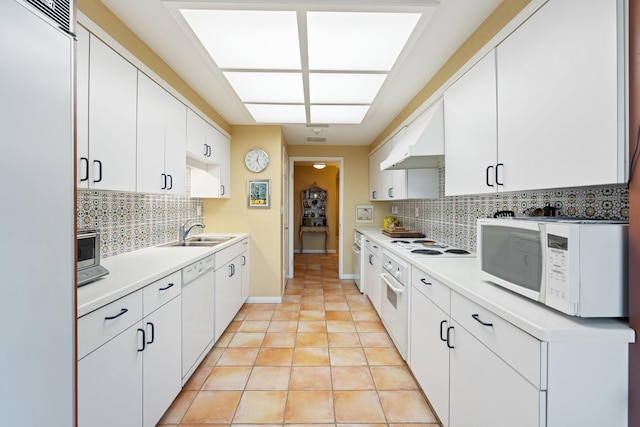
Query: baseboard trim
[264,300]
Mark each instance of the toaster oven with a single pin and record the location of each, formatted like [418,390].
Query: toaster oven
[89,268]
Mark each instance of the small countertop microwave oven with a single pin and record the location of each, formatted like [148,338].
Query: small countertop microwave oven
[576,266]
[89,268]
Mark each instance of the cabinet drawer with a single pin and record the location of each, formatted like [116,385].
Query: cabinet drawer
[227,254]
[161,292]
[99,326]
[373,246]
[438,293]
[519,349]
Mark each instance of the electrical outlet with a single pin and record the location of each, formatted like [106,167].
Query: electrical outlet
[417,212]
[199,210]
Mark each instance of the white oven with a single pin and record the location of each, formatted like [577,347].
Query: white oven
[357,260]
[396,282]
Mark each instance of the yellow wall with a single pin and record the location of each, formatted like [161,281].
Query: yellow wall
[356,189]
[500,17]
[105,19]
[327,179]
[263,225]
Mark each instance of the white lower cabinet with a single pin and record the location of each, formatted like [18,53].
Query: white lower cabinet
[371,273]
[477,369]
[245,269]
[129,369]
[228,286]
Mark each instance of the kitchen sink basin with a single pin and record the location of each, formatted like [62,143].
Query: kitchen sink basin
[199,241]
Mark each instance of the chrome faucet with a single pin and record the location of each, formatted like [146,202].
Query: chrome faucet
[182,231]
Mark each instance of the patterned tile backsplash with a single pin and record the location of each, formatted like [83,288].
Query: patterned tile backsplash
[452,220]
[130,221]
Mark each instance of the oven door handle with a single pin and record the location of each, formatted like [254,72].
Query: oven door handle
[389,284]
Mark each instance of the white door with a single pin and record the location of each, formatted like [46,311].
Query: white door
[287,258]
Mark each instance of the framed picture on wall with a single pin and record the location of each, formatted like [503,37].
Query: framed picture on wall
[259,193]
[364,213]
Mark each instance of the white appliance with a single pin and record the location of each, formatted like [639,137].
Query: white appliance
[395,300]
[426,248]
[37,308]
[197,313]
[576,266]
[357,260]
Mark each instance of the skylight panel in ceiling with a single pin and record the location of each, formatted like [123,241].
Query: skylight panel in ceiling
[342,88]
[283,88]
[276,113]
[248,39]
[357,41]
[338,114]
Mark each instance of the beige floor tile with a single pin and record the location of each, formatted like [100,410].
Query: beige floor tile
[279,339]
[343,339]
[336,306]
[406,407]
[198,377]
[369,314]
[254,325]
[383,356]
[362,306]
[347,356]
[393,378]
[354,298]
[288,306]
[341,325]
[212,358]
[310,378]
[310,407]
[235,324]
[352,378]
[261,407]
[214,407]
[225,339]
[338,315]
[264,307]
[311,306]
[309,299]
[285,315]
[311,315]
[297,299]
[336,298]
[179,407]
[318,326]
[238,357]
[310,356]
[283,326]
[275,357]
[259,315]
[247,339]
[311,339]
[227,378]
[269,378]
[375,339]
[369,326]
[358,407]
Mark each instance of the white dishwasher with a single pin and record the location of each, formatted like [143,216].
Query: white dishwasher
[197,313]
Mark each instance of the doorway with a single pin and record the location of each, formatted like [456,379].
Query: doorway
[305,178]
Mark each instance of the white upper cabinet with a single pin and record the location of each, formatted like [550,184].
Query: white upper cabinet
[82,107]
[161,157]
[111,160]
[197,146]
[545,109]
[560,103]
[471,130]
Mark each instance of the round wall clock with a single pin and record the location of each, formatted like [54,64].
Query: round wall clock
[256,160]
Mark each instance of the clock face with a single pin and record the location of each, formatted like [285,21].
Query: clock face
[256,160]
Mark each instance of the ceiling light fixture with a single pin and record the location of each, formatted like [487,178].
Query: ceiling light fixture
[319,165]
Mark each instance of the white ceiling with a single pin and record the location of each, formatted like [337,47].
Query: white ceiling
[158,24]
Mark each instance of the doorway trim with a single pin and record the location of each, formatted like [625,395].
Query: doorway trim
[293,233]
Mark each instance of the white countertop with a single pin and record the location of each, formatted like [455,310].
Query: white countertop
[462,276]
[134,270]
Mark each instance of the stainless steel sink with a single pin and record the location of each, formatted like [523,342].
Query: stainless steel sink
[199,241]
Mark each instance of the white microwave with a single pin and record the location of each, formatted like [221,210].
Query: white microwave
[578,267]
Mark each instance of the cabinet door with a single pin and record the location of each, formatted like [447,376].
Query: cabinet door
[559,109]
[162,370]
[220,148]
[244,260]
[82,107]
[197,137]
[112,119]
[372,280]
[429,358]
[485,391]
[197,320]
[150,148]
[470,121]
[110,383]
[375,187]
[175,159]
[228,296]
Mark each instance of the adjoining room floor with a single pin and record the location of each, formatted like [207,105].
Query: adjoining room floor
[322,356]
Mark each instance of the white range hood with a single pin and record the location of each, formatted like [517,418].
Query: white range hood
[419,145]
